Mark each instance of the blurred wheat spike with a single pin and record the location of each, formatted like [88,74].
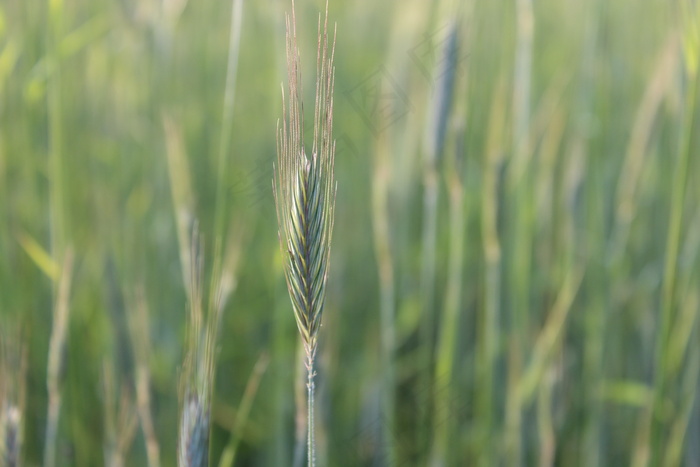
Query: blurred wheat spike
[198,369]
[12,395]
[304,187]
[10,432]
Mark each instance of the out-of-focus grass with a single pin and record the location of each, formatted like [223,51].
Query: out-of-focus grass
[577,335]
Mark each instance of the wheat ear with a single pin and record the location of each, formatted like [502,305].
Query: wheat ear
[304,190]
[197,379]
[13,370]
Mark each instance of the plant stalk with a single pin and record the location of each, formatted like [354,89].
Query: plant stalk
[310,442]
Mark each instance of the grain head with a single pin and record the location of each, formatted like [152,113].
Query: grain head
[304,187]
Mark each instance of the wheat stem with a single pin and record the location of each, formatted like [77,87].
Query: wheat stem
[521,233]
[668,312]
[311,443]
[226,122]
[229,455]
[487,360]
[56,347]
[139,329]
[387,294]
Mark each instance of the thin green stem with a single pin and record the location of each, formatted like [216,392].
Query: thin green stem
[487,355]
[444,373]
[53,96]
[56,201]
[227,120]
[229,455]
[310,442]
[520,232]
[57,343]
[680,181]
[300,418]
[385,269]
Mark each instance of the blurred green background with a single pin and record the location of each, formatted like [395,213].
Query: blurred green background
[515,264]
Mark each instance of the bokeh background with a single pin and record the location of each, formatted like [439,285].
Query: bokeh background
[515,264]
